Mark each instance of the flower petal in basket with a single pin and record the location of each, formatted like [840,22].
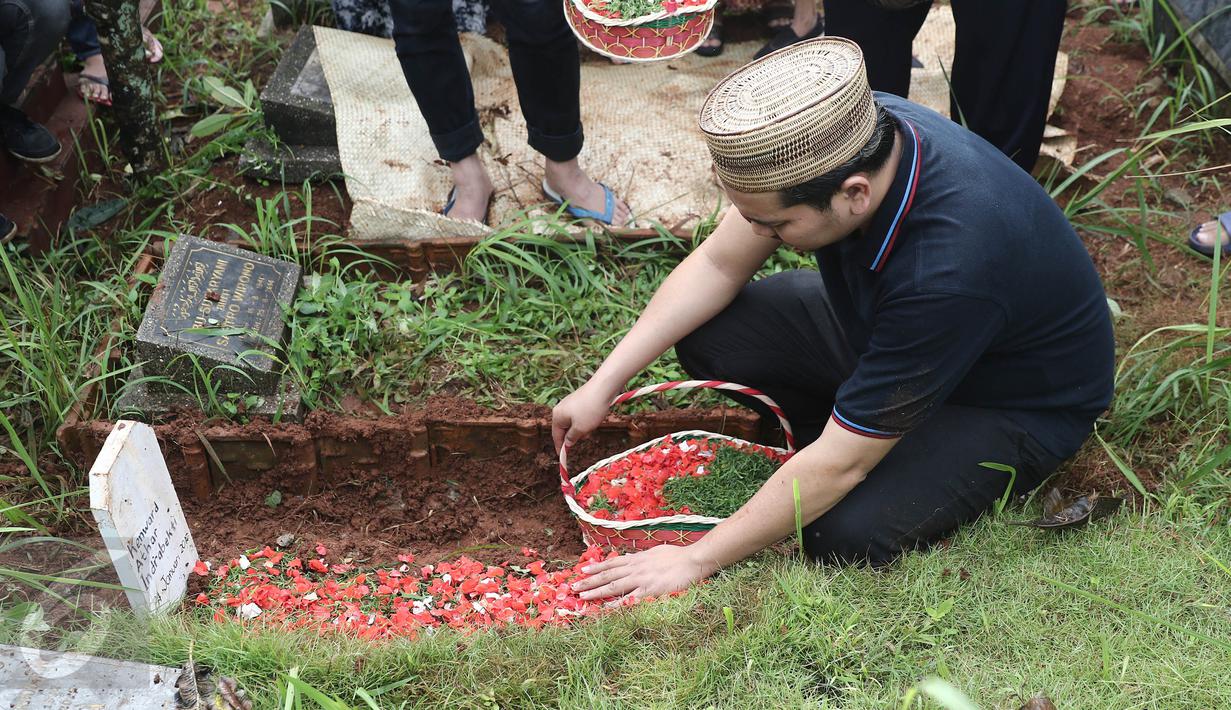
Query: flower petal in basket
[676,30]
[633,535]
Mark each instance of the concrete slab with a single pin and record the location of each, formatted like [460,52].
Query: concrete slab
[143,402]
[34,679]
[289,164]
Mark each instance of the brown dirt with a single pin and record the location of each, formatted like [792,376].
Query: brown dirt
[448,478]
[486,508]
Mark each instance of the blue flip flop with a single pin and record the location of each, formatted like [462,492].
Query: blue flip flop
[606,216]
[1224,220]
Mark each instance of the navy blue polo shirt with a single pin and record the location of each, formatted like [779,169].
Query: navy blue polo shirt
[969,287]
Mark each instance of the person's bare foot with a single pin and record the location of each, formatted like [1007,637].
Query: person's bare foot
[1211,232]
[802,26]
[94,88]
[473,189]
[571,182]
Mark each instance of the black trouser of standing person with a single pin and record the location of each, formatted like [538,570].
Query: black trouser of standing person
[542,53]
[29,31]
[1005,58]
[781,337]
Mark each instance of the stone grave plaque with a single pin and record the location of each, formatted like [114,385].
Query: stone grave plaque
[296,101]
[140,519]
[223,306]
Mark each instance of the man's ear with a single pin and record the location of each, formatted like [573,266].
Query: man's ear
[857,190]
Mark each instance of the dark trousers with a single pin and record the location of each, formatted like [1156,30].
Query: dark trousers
[29,31]
[1002,70]
[780,336]
[82,33]
[542,53]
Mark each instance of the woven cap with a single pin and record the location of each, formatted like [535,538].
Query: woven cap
[790,116]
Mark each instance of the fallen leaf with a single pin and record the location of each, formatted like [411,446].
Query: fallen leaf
[1060,513]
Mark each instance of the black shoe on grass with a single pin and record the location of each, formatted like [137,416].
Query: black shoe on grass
[26,139]
[7,229]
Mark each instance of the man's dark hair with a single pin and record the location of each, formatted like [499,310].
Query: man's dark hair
[819,191]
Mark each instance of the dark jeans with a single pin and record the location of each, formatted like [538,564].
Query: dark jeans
[29,31]
[780,336]
[542,53]
[1002,70]
[82,33]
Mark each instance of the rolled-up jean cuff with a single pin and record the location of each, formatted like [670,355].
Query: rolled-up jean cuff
[558,148]
[459,143]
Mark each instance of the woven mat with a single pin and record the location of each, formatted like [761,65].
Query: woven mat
[640,124]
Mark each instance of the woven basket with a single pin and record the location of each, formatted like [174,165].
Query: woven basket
[632,535]
[649,38]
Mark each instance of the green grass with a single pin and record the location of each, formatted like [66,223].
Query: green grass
[981,614]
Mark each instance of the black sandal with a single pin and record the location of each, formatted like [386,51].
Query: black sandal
[786,37]
[779,13]
[713,50]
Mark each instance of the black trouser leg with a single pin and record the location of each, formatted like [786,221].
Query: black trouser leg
[929,484]
[885,36]
[780,336]
[425,36]
[1002,71]
[82,33]
[29,31]
[547,70]
[544,60]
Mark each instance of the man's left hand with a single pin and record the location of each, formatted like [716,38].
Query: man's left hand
[650,573]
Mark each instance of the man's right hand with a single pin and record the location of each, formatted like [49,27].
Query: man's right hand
[579,414]
[698,289]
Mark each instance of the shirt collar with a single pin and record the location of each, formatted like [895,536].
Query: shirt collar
[874,245]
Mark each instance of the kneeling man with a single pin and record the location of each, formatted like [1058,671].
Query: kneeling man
[956,319]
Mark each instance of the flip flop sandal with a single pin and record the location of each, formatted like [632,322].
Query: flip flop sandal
[85,80]
[1224,220]
[606,216]
[787,37]
[713,50]
[452,200]
[153,48]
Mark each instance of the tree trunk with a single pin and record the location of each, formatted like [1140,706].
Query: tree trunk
[132,84]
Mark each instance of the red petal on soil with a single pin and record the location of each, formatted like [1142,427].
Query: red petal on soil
[201,568]
[320,550]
